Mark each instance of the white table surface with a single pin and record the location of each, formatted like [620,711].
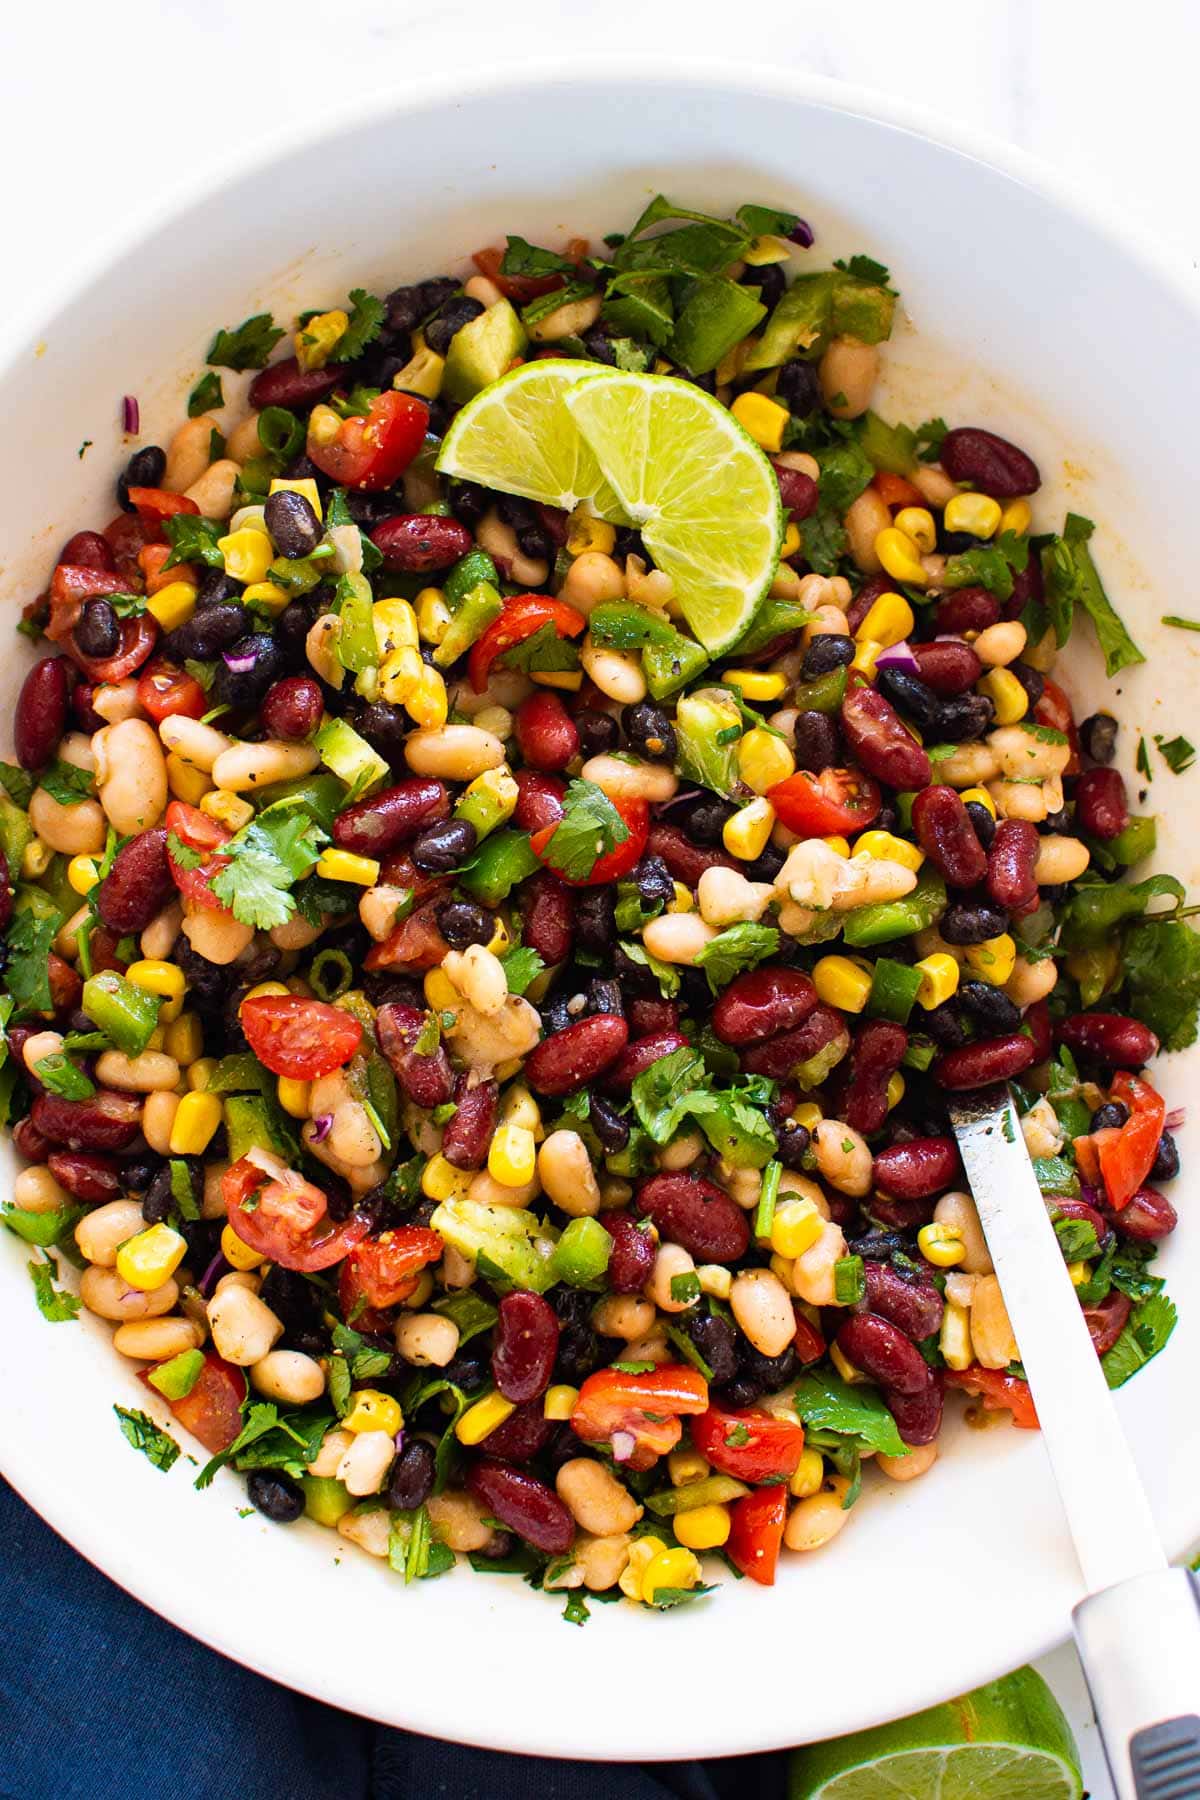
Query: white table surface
[104,110]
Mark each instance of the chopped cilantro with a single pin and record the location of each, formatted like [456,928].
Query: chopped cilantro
[827,1403]
[589,829]
[824,539]
[268,857]
[522,966]
[139,1429]
[685,1289]
[1162,979]
[1176,752]
[846,470]
[523,258]
[248,347]
[929,439]
[84,448]
[1142,760]
[27,972]
[262,1417]
[366,322]
[206,396]
[193,539]
[17,783]
[989,565]
[738,947]
[1150,1325]
[54,1304]
[865,268]
[635,1368]
[543,653]
[66,783]
[1071,579]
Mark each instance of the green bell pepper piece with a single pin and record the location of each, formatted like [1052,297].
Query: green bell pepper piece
[889,919]
[357,649]
[889,447]
[489,801]
[582,1252]
[350,757]
[475,567]
[669,667]
[472,618]
[919,1054]
[248,1122]
[824,694]
[126,1014]
[16,833]
[894,988]
[1136,841]
[716,315]
[774,618]
[501,861]
[325,1500]
[176,1379]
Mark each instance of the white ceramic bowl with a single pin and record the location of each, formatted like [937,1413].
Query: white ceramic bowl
[1032,314]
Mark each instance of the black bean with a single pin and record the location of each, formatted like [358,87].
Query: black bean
[462,923]
[598,344]
[444,846]
[990,1007]
[405,307]
[650,732]
[275,1495]
[629,543]
[879,1246]
[767,866]
[982,820]
[886,821]
[145,468]
[468,501]
[768,279]
[1109,1117]
[98,633]
[532,537]
[294,527]
[579,1354]
[604,996]
[610,1126]
[160,1202]
[954,543]
[1031,679]
[1056,821]
[828,651]
[595,925]
[707,819]
[215,587]
[413,1474]
[972,922]
[1166,1159]
[384,986]
[203,637]
[1098,737]
[207,982]
[556,1014]
[910,694]
[741,1391]
[799,387]
[369,510]
[293,1299]
[944,1024]
[246,670]
[471,1367]
[815,741]
[456,313]
[716,1340]
[138,1169]
[655,885]
[598,732]
[792,1141]
[962,717]
[385,729]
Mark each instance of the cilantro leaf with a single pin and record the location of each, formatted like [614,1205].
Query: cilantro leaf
[27,973]
[55,1304]
[824,539]
[666,974]
[989,565]
[247,347]
[182,853]
[589,829]
[677,1088]
[542,653]
[738,947]
[523,258]
[66,783]
[1092,913]
[267,857]
[825,1402]
[262,1417]
[846,470]
[1149,1327]
[865,268]
[17,783]
[366,322]
[1071,579]
[1162,980]
[206,396]
[139,1429]
[929,439]
[193,539]
[1176,752]
[522,966]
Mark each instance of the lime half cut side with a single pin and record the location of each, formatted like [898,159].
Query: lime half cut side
[702,492]
[518,436]
[1006,1741]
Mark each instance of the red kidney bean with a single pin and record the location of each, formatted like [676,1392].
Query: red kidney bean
[968,609]
[523,1435]
[539,799]
[989,463]
[761,1002]
[1109,1038]
[1145,1218]
[1080,1209]
[987,1059]
[1039,1026]
[685,861]
[292,708]
[865,599]
[781,1056]
[546,733]
[524,1346]
[103,946]
[82,710]
[878,1048]
[287,384]
[27,1139]
[918,1416]
[555,521]
[900,1215]
[883,1353]
[105,1121]
[468,1134]
[947,667]
[85,1176]
[1101,806]
[548,911]
[572,1058]
[1107,1320]
[378,825]
[66,984]
[138,885]
[415,542]
[918,1168]
[425,1078]
[913,1307]
[797,490]
[632,1257]
[1027,586]
[524,1504]
[17,1037]
[1011,862]
[641,1054]
[88,550]
[41,715]
[697,1214]
[947,836]
[647,1016]
[879,743]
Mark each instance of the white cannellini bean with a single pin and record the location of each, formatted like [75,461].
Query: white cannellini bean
[629,779]
[258,765]
[453,752]
[426,1340]
[458,1520]
[158,939]
[334,1446]
[812,1523]
[848,372]
[1060,859]
[131,775]
[1000,644]
[158,1117]
[763,1308]
[592,579]
[1031,981]
[193,743]
[479,977]
[615,672]
[1041,1130]
[843,1158]
[918,1462]
[101,1231]
[958,1210]
[671,1261]
[812,1273]
[570,320]
[213,491]
[352,1137]
[105,1293]
[625,1316]
[370,1530]
[1023,756]
[36,1191]
[189,452]
[366,1462]
[148,1073]
[41,1044]
[677,937]
[71,830]
[595,1498]
[117,700]
[725,897]
[566,1174]
[218,937]
[290,1376]
[153,1340]
[243,1327]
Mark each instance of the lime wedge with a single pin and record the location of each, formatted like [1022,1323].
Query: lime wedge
[702,492]
[518,436]
[1006,1741]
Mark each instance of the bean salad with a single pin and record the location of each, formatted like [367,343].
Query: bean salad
[487,1053]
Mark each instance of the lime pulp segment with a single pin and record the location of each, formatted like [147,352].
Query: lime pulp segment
[958,1772]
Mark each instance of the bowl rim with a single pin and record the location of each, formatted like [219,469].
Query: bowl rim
[27,327]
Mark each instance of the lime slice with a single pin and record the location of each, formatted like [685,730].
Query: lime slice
[1006,1741]
[702,492]
[519,437]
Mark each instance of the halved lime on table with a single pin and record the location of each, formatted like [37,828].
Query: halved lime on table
[646,450]
[1008,1740]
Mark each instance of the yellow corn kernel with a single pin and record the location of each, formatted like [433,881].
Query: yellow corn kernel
[839,845]
[939,979]
[172,605]
[482,1418]
[681,900]
[792,542]
[185,781]
[889,620]
[423,374]
[500,940]
[293,1096]
[866,654]
[841,983]
[669,1569]
[152,1257]
[900,557]
[227,808]
[715,1279]
[586,533]
[844,1366]
[569,681]
[808,1114]
[440,991]
[941,1245]
[344,865]
[1079,1273]
[764,759]
[306,487]
[982,798]
[371,1410]
[895,1089]
[196,1120]
[248,554]
[184,1039]
[1006,695]
[324,425]
[954,1339]
[519,1107]
[83,872]
[318,339]
[810,1473]
[977,513]
[399,673]
[767,249]
[201,1073]
[157,1038]
[763,418]
[641,1554]
[154,976]
[440,1180]
[559,1402]
[756,684]
[238,1254]
[884,846]
[685,1466]
[395,625]
[747,834]
[1016,517]
[917,523]
[512,1156]
[498,789]
[427,705]
[35,859]
[433,615]
[266,596]
[795,1228]
[993,960]
[263,987]
[703,1527]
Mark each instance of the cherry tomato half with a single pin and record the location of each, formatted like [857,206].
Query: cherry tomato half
[160,503]
[72,584]
[370,453]
[751,1446]
[520,289]
[287,1221]
[166,692]
[212,1411]
[138,638]
[835,803]
[385,1270]
[645,1408]
[188,827]
[1126,1157]
[521,618]
[302,1039]
[416,943]
[635,815]
[756,1523]
[999,1392]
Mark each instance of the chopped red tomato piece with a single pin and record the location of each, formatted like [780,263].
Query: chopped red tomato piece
[635,815]
[1055,710]
[835,803]
[638,1415]
[371,453]
[385,1270]
[160,503]
[756,1523]
[192,830]
[127,536]
[1125,1156]
[72,584]
[808,1342]
[751,1446]
[999,1391]
[212,1411]
[521,618]
[166,692]
[302,1039]
[287,1220]
[897,490]
[416,943]
[520,289]
[1107,1320]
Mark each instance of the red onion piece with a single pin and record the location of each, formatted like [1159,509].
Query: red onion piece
[623,1445]
[208,1280]
[131,418]
[898,656]
[322,1127]
[1176,1118]
[803,234]
[239,664]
